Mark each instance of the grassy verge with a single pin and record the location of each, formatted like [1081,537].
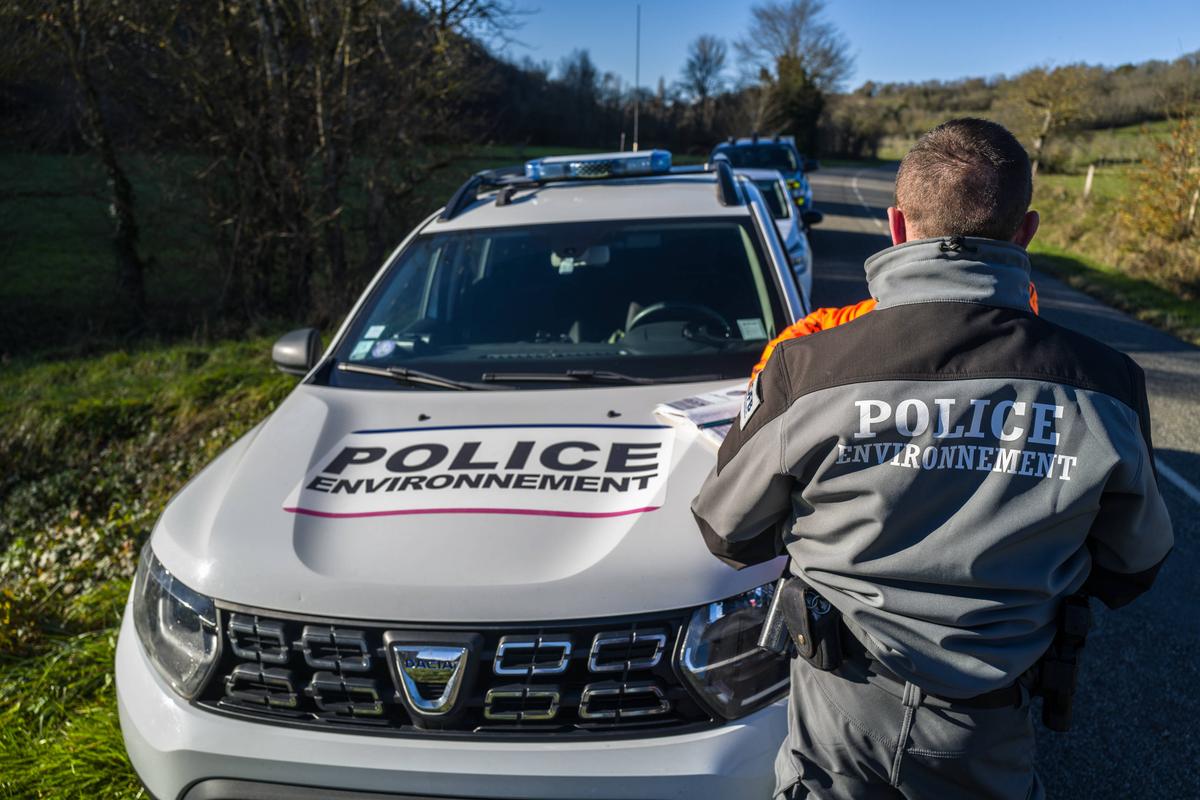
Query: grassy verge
[1139,298]
[92,449]
[1081,242]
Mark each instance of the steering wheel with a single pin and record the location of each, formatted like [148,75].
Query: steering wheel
[691,309]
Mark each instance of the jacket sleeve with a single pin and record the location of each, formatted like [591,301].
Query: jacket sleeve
[1132,534]
[747,496]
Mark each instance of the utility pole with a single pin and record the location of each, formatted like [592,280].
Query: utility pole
[637,74]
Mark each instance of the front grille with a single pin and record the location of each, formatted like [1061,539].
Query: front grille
[590,678]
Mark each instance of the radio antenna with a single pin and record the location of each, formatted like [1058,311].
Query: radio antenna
[637,74]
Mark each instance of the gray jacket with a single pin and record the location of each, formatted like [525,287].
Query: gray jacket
[945,468]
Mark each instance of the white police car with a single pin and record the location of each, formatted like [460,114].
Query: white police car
[792,228]
[777,153]
[458,560]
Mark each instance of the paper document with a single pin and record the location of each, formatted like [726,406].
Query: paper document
[712,413]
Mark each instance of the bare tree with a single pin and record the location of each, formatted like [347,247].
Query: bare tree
[490,20]
[703,72]
[795,30]
[290,104]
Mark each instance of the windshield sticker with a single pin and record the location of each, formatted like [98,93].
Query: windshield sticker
[543,470]
[374,332]
[383,348]
[752,329]
[360,350]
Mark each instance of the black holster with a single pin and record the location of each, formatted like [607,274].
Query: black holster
[801,621]
[1057,673]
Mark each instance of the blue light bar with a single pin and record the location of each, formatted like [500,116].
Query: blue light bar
[599,165]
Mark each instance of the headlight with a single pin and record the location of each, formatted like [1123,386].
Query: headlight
[177,627]
[793,183]
[721,659]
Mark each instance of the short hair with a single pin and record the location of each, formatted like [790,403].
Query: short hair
[966,177]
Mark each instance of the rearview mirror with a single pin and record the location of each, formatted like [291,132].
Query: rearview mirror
[296,352]
[811,218]
[811,165]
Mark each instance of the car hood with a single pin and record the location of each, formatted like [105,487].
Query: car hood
[436,506]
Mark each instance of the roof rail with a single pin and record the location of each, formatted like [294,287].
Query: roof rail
[463,196]
[466,194]
[727,191]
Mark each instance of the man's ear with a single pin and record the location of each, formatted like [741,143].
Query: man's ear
[1029,226]
[898,226]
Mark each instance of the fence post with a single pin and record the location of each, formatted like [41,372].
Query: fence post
[1087,182]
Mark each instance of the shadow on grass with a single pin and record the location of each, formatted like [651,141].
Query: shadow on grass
[1140,298]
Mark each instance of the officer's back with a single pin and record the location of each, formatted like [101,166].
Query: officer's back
[943,470]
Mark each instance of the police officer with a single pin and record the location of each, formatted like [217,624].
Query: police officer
[942,471]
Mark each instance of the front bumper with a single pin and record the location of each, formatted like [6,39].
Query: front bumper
[175,747]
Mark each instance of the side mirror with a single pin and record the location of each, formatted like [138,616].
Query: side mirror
[297,352]
[811,165]
[810,218]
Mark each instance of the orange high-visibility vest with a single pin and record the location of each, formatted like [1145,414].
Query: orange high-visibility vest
[824,318]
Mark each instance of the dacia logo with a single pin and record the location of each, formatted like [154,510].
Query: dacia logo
[430,675]
[428,663]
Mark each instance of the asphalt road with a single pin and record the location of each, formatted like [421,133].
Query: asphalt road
[1137,713]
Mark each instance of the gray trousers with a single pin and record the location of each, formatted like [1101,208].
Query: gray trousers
[855,735]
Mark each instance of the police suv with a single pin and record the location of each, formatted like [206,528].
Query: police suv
[777,153]
[792,228]
[458,560]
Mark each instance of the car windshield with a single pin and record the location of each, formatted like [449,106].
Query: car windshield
[652,299]
[762,156]
[772,192]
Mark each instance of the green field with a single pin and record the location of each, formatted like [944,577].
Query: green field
[57,276]
[1073,152]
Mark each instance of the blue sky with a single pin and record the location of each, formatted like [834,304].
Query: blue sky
[892,41]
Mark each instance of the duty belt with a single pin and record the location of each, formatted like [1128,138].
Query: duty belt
[853,651]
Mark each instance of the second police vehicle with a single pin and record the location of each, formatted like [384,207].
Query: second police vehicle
[778,153]
[773,187]
[458,560]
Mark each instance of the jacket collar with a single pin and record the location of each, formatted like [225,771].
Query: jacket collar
[951,269]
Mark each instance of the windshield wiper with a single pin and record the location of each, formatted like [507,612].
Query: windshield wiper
[591,376]
[415,377]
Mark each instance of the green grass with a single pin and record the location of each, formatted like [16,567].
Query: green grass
[1109,184]
[93,448]
[59,734]
[1073,152]
[1140,298]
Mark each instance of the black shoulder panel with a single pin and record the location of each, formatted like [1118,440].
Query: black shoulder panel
[958,341]
[767,397]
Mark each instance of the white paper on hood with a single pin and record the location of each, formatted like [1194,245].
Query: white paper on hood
[543,470]
[711,413]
